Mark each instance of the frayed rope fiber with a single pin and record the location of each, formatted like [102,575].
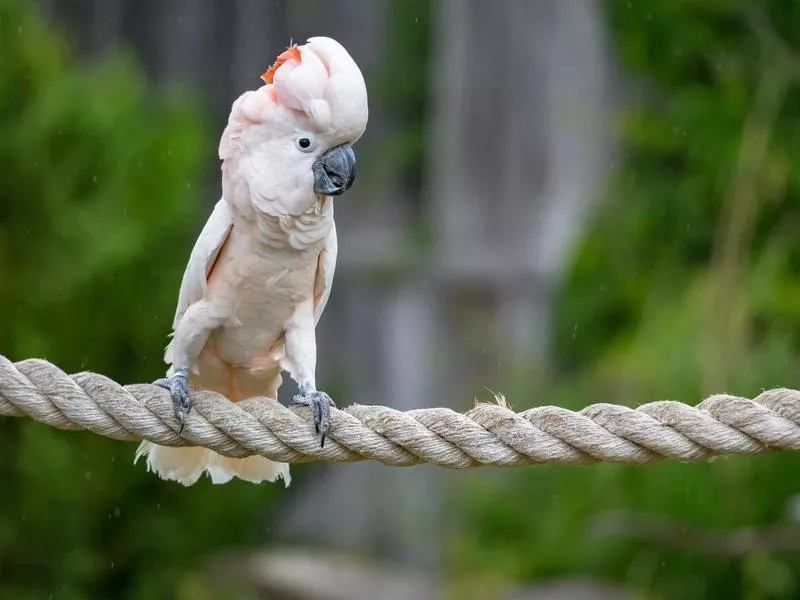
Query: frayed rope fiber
[489,434]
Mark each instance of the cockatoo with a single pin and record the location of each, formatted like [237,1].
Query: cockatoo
[260,273]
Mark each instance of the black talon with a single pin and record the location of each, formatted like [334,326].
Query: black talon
[178,387]
[319,404]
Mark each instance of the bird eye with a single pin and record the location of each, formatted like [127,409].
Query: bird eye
[305,142]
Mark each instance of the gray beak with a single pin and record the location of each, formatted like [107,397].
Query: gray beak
[335,171]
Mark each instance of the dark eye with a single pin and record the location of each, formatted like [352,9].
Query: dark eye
[305,142]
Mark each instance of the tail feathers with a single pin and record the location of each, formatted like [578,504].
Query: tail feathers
[186,464]
[254,469]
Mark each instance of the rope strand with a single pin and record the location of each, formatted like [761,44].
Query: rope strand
[489,434]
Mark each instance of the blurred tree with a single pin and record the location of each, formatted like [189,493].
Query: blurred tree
[99,198]
[705,193]
[686,285]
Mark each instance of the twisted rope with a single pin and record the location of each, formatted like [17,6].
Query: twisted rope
[488,434]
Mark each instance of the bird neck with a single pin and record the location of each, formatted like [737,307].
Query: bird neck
[303,232]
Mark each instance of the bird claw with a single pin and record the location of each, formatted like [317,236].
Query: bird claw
[320,404]
[178,386]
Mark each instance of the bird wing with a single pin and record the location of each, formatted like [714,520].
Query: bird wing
[326,265]
[203,258]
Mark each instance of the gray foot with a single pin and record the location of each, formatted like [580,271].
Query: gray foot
[178,386]
[320,404]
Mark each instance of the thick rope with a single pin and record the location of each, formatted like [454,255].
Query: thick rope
[489,434]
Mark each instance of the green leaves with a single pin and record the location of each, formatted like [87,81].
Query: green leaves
[100,202]
[657,306]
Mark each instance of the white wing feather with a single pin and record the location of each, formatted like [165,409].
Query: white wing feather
[205,251]
[325,270]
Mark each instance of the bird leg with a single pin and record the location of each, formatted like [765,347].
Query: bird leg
[178,386]
[320,404]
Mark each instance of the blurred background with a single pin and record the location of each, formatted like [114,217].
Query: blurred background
[566,202]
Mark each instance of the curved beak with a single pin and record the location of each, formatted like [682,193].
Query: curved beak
[335,171]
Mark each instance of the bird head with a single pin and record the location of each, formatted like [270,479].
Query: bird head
[291,141]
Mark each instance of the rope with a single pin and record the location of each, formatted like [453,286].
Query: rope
[489,434]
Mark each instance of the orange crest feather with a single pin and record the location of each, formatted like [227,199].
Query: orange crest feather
[291,53]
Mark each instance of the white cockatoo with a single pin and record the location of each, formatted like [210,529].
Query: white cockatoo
[260,273]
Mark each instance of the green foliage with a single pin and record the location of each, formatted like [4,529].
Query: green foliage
[697,66]
[672,297]
[99,199]
[96,189]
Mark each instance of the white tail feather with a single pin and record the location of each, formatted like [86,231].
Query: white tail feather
[186,464]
